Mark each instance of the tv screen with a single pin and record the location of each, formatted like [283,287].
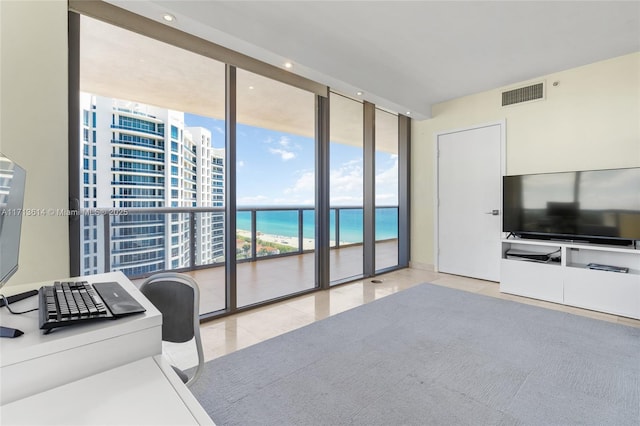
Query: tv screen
[593,206]
[12,181]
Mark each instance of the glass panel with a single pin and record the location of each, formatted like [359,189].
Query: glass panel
[152,136]
[244,239]
[308,230]
[386,190]
[277,232]
[275,182]
[346,188]
[209,243]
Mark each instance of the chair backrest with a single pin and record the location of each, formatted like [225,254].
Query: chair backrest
[177,297]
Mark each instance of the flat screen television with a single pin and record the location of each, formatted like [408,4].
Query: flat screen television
[596,206]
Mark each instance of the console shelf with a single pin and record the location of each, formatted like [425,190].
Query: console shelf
[568,279]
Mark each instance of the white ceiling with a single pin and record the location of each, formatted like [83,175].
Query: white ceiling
[409,55]
[121,64]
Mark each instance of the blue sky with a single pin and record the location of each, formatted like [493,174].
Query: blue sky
[276,168]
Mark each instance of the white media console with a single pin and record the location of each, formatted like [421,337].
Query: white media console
[568,279]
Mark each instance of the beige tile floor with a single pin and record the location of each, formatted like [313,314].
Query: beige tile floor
[228,334]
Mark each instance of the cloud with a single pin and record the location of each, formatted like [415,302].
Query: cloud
[346,200]
[346,187]
[284,142]
[284,154]
[347,181]
[352,163]
[390,199]
[240,163]
[253,200]
[306,183]
[286,148]
[387,184]
[390,175]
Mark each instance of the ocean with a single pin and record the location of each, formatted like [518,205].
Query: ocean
[285,223]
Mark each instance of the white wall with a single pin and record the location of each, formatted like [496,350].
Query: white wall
[33,128]
[590,120]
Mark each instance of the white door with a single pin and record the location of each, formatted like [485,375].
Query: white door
[470,202]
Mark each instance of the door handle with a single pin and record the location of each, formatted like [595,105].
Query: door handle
[493,212]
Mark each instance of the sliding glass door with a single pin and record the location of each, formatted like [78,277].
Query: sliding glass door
[151,158]
[346,180]
[275,188]
[386,190]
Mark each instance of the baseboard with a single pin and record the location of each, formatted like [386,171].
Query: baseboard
[422,266]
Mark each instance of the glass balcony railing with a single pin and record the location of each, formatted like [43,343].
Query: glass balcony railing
[147,143]
[132,128]
[185,239]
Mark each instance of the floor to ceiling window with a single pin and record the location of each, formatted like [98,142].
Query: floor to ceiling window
[386,190]
[150,140]
[187,163]
[275,148]
[346,182]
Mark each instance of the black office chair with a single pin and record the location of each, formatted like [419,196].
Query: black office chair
[177,297]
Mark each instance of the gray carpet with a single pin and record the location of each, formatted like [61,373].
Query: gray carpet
[433,356]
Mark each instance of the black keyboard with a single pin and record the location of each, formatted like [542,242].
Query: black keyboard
[69,303]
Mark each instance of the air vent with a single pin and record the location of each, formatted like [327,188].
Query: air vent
[523,94]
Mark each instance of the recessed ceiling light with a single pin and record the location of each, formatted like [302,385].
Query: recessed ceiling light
[168,17]
[408,112]
[288,65]
[359,93]
[250,87]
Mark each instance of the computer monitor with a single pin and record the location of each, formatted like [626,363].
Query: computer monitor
[12,183]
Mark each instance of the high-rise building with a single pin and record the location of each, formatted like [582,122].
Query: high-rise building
[141,156]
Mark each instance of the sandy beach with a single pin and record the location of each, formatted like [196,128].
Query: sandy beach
[307,243]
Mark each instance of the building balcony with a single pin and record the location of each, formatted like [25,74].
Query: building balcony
[139,171]
[148,156]
[275,250]
[139,249]
[153,185]
[158,145]
[137,130]
[137,236]
[271,278]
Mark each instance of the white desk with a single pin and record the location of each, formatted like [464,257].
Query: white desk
[138,393]
[89,360]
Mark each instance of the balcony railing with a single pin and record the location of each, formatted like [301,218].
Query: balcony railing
[157,144]
[141,130]
[262,232]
